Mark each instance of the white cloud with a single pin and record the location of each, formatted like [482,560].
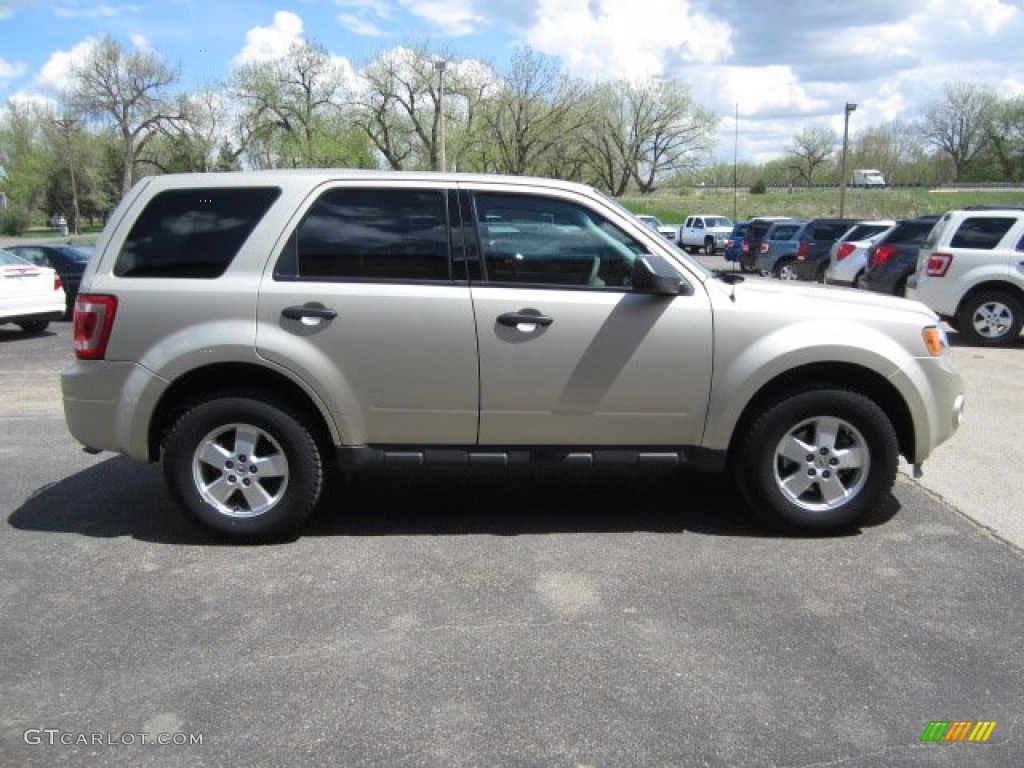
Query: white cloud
[359,26]
[271,42]
[55,74]
[11,71]
[991,15]
[611,38]
[141,42]
[6,12]
[103,10]
[455,18]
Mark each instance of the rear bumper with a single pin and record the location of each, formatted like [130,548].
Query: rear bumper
[107,405]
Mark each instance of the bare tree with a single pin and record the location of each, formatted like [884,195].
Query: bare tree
[957,124]
[128,90]
[292,109]
[531,120]
[400,109]
[645,131]
[811,149]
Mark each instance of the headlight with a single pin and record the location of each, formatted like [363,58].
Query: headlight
[935,340]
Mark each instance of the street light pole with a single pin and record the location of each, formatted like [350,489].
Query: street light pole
[842,174]
[66,125]
[442,160]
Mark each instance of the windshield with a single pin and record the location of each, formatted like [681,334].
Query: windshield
[8,259]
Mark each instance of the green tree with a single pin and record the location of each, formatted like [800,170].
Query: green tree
[959,123]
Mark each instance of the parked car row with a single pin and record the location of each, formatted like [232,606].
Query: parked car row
[26,269]
[967,266]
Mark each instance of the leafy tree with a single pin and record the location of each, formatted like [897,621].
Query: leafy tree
[959,123]
[292,112]
[528,122]
[1006,139]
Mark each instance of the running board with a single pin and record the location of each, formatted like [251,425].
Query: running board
[357,456]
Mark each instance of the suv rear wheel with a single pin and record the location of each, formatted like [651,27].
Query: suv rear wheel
[785,269]
[243,467]
[990,319]
[823,460]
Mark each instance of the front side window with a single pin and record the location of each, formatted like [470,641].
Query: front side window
[370,234]
[193,233]
[982,233]
[550,242]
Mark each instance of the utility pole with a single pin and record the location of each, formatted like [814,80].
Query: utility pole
[66,124]
[442,160]
[842,179]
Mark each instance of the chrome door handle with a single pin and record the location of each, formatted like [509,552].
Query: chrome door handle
[300,313]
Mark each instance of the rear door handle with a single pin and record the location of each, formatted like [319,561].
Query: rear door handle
[521,318]
[299,313]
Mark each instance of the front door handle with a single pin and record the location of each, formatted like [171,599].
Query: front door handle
[524,318]
[300,313]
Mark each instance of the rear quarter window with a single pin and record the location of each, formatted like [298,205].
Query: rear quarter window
[192,233]
[981,233]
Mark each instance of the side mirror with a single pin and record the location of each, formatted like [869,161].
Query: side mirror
[653,275]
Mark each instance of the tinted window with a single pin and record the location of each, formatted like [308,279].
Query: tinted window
[981,232]
[909,232]
[784,231]
[865,231]
[192,232]
[370,234]
[831,230]
[544,241]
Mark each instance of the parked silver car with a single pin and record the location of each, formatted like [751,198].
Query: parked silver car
[245,329]
[848,257]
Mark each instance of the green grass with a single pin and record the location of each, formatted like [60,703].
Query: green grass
[817,203]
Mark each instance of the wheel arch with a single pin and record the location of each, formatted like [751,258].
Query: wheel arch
[830,375]
[235,379]
[999,286]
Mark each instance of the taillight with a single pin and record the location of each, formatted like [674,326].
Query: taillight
[764,248]
[745,247]
[94,319]
[729,243]
[803,250]
[882,255]
[938,264]
[58,284]
[845,250]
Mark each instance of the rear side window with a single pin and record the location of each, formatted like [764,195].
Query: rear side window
[370,234]
[192,233]
[784,231]
[865,231]
[909,232]
[982,233]
[826,231]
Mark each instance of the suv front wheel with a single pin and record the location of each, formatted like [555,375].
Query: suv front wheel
[243,467]
[823,459]
[990,319]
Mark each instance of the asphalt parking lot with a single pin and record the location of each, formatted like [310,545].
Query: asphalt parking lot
[532,619]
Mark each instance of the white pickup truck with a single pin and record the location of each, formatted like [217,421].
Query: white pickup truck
[704,232]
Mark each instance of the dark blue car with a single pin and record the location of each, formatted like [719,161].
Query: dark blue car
[734,245]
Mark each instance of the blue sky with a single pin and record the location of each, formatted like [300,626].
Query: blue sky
[786,64]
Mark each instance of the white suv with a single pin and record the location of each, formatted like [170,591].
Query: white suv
[970,270]
[248,329]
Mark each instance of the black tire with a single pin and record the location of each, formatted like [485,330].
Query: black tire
[990,319]
[846,473]
[785,269]
[269,457]
[34,326]
[709,246]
